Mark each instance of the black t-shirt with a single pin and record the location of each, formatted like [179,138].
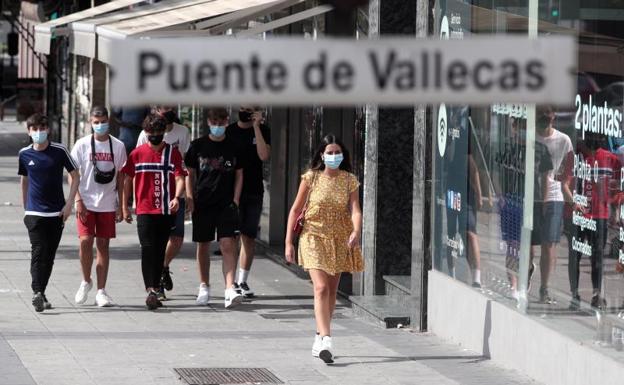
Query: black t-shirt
[215,165]
[512,164]
[245,139]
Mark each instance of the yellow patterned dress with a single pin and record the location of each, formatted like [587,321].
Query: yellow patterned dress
[327,227]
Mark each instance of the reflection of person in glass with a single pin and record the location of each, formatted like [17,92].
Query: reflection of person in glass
[463,216]
[511,204]
[596,187]
[560,149]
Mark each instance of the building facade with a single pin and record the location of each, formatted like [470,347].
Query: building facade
[449,221]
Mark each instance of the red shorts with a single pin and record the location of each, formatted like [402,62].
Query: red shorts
[100,225]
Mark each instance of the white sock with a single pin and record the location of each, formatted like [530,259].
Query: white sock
[242,276]
[476,276]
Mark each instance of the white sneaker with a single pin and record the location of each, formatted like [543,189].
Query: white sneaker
[326,347]
[232,297]
[102,299]
[83,292]
[203,297]
[317,346]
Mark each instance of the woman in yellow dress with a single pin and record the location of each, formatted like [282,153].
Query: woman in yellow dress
[329,243]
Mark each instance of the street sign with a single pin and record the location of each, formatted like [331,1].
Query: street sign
[397,71]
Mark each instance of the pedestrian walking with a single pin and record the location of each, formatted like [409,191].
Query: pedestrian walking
[511,200]
[595,195]
[327,213]
[99,157]
[130,120]
[253,138]
[179,137]
[158,176]
[213,191]
[41,167]
[561,152]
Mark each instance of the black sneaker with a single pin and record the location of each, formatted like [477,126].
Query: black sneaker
[476,285]
[161,294]
[37,301]
[245,290]
[165,279]
[575,303]
[47,305]
[598,302]
[152,301]
[545,298]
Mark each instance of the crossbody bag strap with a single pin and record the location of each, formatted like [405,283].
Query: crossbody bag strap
[93,153]
[93,160]
[110,142]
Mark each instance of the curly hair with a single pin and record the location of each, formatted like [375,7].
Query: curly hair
[154,122]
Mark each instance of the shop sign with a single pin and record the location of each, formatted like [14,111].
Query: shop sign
[394,71]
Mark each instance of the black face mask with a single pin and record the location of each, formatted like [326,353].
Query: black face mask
[156,139]
[244,116]
[170,116]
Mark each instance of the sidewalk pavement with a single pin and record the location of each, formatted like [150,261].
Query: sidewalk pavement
[127,344]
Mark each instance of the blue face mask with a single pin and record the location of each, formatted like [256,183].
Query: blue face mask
[39,137]
[217,130]
[100,128]
[333,161]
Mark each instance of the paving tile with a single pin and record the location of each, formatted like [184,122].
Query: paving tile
[126,344]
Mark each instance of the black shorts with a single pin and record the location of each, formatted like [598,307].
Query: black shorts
[178,229]
[250,212]
[456,220]
[220,219]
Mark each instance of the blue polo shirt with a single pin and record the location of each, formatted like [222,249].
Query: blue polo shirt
[44,170]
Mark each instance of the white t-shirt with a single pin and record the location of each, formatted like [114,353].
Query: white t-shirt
[96,196]
[559,145]
[179,137]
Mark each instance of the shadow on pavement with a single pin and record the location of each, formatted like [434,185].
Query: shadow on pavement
[389,359]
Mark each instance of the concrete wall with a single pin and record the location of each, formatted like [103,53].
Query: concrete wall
[469,318]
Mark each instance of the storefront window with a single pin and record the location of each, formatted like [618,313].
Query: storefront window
[528,199]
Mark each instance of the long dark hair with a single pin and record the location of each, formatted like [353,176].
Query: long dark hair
[317,163]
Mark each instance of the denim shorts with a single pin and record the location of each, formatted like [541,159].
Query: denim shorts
[552,222]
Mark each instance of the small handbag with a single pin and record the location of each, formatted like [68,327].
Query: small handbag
[298,228]
[102,177]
